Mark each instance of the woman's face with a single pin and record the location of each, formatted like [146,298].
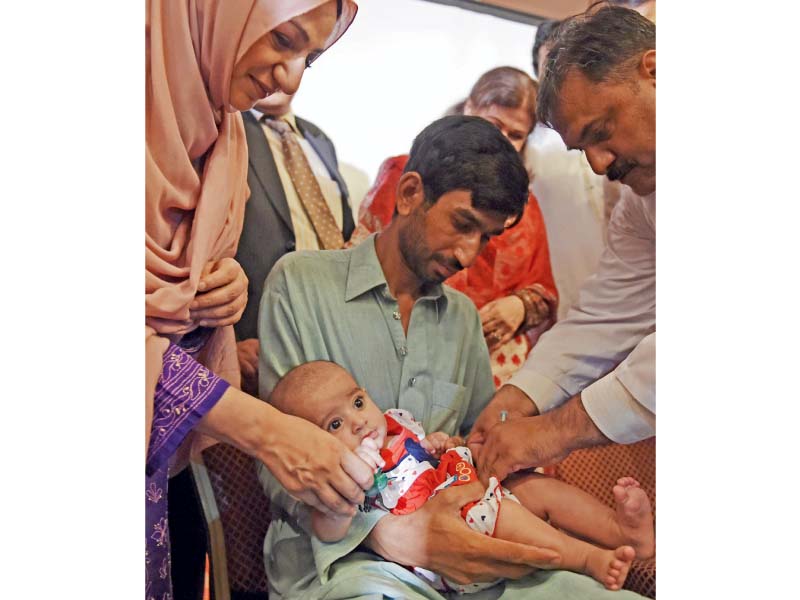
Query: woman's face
[514,123]
[276,61]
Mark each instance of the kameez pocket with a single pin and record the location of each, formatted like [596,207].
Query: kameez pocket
[446,408]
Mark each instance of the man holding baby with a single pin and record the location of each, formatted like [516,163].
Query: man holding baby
[380,311]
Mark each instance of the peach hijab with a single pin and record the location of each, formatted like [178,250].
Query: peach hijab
[196,157]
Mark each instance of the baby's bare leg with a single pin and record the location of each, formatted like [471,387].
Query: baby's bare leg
[610,567]
[583,515]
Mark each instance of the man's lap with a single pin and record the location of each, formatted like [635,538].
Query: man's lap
[363,576]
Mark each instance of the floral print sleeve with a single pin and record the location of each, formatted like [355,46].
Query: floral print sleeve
[185,392]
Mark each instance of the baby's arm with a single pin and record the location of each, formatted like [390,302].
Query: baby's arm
[438,442]
[330,527]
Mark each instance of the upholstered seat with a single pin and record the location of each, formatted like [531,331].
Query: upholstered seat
[596,470]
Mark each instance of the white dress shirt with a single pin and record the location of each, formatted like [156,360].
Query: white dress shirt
[304,232]
[605,348]
[571,197]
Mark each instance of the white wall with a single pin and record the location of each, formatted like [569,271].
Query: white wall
[399,67]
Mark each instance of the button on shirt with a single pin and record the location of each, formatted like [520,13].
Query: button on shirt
[336,305]
[305,235]
[605,348]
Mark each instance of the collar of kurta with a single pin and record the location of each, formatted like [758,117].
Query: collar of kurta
[365,274]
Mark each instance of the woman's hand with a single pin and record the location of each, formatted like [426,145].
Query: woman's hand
[221,294]
[310,463]
[436,537]
[315,467]
[247,352]
[501,319]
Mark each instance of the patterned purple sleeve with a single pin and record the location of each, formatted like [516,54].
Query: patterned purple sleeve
[185,392]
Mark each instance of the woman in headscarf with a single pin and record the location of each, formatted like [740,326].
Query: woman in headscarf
[510,282]
[206,60]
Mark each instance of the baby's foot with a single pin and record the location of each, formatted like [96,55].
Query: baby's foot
[635,517]
[610,567]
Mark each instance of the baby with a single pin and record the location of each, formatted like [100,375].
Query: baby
[535,509]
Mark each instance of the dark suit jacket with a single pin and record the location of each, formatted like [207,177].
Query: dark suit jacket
[267,233]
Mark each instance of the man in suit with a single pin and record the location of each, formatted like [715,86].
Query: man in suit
[279,217]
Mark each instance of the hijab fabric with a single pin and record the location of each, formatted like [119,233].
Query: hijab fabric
[196,157]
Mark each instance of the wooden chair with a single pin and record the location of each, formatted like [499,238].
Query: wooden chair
[237,517]
[596,470]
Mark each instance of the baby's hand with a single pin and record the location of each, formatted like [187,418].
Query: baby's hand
[435,443]
[454,441]
[369,452]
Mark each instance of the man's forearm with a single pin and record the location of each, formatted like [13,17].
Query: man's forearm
[386,541]
[518,400]
[572,419]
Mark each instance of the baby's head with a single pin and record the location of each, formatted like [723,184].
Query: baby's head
[325,394]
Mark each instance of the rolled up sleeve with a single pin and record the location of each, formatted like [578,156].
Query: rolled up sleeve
[623,403]
[615,311]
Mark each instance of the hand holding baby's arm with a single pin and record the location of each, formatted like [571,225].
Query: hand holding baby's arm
[333,527]
[369,452]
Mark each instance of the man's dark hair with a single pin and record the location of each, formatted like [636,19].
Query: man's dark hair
[603,44]
[469,153]
[544,34]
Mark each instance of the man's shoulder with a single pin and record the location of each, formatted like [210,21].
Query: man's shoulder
[319,265]
[459,305]
[634,214]
[307,127]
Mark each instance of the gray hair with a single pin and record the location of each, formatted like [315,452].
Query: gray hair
[603,44]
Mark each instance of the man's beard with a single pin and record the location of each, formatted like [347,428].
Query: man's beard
[619,168]
[414,249]
[417,254]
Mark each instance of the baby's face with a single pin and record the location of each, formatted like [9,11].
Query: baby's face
[346,410]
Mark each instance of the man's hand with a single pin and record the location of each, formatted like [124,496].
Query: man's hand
[247,351]
[537,441]
[221,294]
[500,319]
[436,537]
[508,398]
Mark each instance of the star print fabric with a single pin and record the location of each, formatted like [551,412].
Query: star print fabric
[414,476]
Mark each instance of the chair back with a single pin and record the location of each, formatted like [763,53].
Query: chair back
[237,517]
